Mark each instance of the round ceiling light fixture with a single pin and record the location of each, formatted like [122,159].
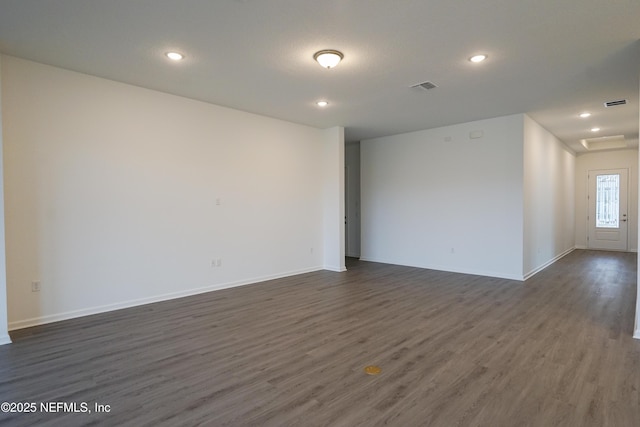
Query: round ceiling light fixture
[175,56]
[328,58]
[585,115]
[595,129]
[322,103]
[478,58]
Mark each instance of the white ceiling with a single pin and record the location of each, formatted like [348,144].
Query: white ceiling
[551,59]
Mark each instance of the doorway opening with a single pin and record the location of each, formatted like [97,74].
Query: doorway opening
[352,199]
[608,203]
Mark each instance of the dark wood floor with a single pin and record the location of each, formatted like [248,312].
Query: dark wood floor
[455,350]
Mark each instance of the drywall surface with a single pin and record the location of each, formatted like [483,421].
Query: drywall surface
[549,194]
[334,199]
[4,335]
[448,198]
[118,195]
[636,331]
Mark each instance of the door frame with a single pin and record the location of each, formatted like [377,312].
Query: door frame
[590,214]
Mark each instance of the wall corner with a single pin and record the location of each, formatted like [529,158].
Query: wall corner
[334,240]
[4,333]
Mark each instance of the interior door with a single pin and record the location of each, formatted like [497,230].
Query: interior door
[607,219]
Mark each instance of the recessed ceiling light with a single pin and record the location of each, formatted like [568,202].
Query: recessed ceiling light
[585,115]
[595,129]
[328,58]
[175,56]
[322,103]
[478,58]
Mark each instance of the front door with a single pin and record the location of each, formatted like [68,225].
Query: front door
[607,218]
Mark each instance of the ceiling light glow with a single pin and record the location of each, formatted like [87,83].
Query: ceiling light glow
[478,58]
[175,56]
[595,129]
[328,58]
[585,115]
[322,103]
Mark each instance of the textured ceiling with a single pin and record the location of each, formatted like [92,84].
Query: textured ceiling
[550,59]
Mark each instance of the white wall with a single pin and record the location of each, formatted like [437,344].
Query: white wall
[112,194]
[352,190]
[4,335]
[549,193]
[636,333]
[620,159]
[438,199]
[334,199]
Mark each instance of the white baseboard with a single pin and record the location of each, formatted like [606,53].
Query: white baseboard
[481,272]
[632,250]
[334,268]
[548,263]
[5,339]
[636,334]
[449,269]
[26,323]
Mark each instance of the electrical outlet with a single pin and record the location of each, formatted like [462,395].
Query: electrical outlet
[35,286]
[219,262]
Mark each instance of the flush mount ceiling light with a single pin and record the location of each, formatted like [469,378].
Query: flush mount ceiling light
[478,58]
[175,56]
[328,58]
[585,115]
[595,129]
[322,103]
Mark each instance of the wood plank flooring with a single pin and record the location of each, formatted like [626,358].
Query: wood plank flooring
[455,350]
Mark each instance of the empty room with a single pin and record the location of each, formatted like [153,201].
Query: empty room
[303,213]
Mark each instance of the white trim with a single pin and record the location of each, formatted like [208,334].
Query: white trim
[5,339]
[336,269]
[548,263]
[449,269]
[20,324]
[606,171]
[610,250]
[581,247]
[636,334]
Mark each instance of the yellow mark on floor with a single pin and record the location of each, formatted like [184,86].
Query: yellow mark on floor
[372,370]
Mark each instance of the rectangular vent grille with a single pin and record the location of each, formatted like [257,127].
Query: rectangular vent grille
[425,85]
[614,103]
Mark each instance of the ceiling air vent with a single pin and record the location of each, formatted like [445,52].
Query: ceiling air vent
[614,103]
[425,85]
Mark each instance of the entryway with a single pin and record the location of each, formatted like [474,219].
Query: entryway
[607,219]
